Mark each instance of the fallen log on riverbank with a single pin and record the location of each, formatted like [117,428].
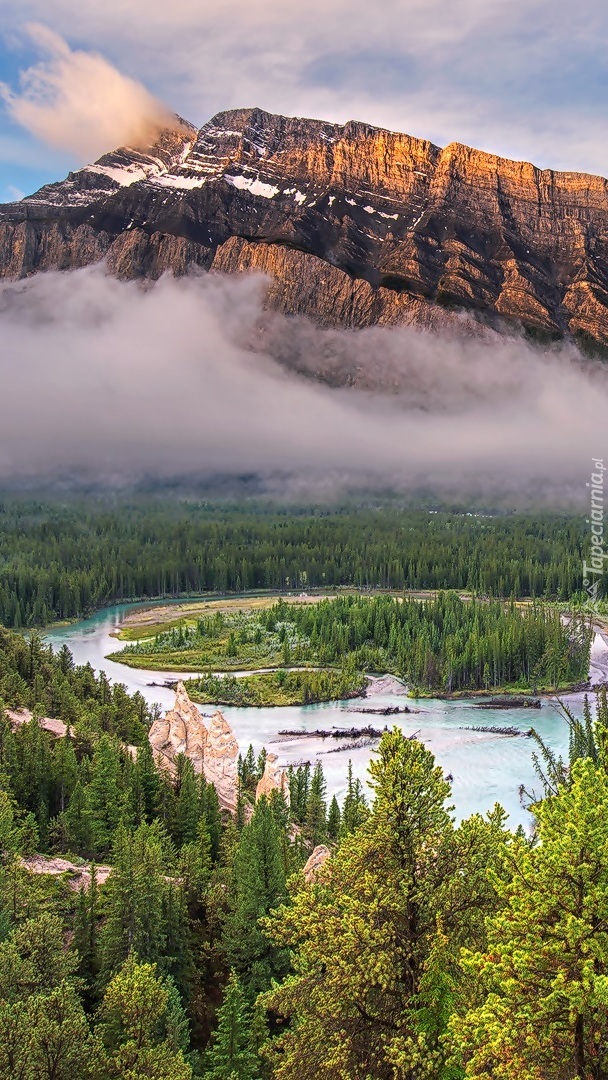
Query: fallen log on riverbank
[358,744]
[364,741]
[513,731]
[386,710]
[508,703]
[337,733]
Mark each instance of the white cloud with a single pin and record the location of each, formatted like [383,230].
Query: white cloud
[77,100]
[122,381]
[524,78]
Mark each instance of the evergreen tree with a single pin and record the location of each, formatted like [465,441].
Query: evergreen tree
[299,783]
[103,793]
[333,820]
[135,895]
[43,1030]
[354,810]
[195,865]
[146,785]
[138,1026]
[316,807]
[74,828]
[210,811]
[376,947]
[257,885]
[47,1037]
[247,771]
[539,997]
[86,937]
[231,1056]
[187,805]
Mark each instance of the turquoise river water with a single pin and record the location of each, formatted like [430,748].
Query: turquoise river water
[486,768]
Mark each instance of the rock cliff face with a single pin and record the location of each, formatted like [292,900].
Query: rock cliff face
[357,226]
[213,751]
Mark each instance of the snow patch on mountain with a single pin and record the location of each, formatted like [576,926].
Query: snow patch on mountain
[253,185]
[187,183]
[122,175]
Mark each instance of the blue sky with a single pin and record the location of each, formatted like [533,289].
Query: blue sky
[523,78]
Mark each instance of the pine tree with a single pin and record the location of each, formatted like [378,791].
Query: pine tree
[333,820]
[376,948]
[316,808]
[33,959]
[257,885]
[103,793]
[146,785]
[299,783]
[135,895]
[195,866]
[139,1026]
[354,810]
[64,772]
[210,811]
[43,1029]
[231,1056]
[539,988]
[261,763]
[187,805]
[47,1036]
[247,771]
[85,937]
[74,828]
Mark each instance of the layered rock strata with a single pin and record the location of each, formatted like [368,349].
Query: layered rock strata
[356,226]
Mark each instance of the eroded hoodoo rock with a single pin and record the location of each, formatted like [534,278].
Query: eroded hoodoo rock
[273,779]
[213,751]
[219,762]
[179,731]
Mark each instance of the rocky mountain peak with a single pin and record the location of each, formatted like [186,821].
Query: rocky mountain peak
[355,225]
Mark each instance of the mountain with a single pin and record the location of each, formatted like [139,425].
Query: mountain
[357,226]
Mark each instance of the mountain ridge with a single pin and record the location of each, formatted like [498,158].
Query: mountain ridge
[356,225]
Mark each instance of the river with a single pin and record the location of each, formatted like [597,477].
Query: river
[486,768]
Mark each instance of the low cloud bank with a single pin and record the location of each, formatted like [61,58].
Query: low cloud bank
[117,382]
[78,101]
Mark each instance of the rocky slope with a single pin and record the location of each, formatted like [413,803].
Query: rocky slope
[357,226]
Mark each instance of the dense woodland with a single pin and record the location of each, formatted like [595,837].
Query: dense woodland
[194,946]
[60,560]
[443,644]
[422,950]
[280,687]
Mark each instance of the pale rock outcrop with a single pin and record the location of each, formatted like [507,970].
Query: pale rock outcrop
[219,762]
[55,727]
[274,779]
[77,877]
[180,731]
[213,751]
[318,858]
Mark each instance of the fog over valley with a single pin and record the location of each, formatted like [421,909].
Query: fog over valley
[191,377]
